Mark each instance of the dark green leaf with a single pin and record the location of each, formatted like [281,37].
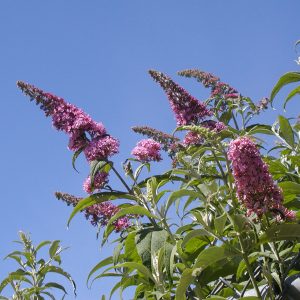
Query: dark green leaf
[75,156]
[56,285]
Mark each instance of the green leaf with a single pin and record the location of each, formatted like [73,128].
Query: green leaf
[75,156]
[185,281]
[97,166]
[58,270]
[193,234]
[220,222]
[98,198]
[132,210]
[53,248]
[131,253]
[289,187]
[259,128]
[149,241]
[42,244]
[56,286]
[284,80]
[137,266]
[281,232]
[46,293]
[286,130]
[178,194]
[11,277]
[101,264]
[212,255]
[292,94]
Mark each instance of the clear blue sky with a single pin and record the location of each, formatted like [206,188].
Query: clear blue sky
[96,54]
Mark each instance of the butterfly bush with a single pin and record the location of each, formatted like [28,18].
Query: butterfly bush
[229,208]
[255,186]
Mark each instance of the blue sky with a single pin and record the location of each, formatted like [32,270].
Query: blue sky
[96,55]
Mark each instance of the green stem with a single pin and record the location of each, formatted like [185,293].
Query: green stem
[220,167]
[248,266]
[121,179]
[235,121]
[276,253]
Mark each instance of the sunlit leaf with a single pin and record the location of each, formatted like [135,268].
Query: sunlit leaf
[284,80]
[286,130]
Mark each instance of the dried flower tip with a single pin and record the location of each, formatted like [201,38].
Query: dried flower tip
[207,79]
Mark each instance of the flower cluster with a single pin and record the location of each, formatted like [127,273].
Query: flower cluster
[99,213]
[187,109]
[100,179]
[254,183]
[147,150]
[84,133]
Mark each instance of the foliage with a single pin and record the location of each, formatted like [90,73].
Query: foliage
[28,281]
[222,223]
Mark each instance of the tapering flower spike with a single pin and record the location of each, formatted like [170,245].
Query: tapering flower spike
[255,186]
[187,109]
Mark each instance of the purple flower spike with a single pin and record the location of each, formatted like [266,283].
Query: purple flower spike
[187,109]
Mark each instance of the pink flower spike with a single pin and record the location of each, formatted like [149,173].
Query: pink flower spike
[254,183]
